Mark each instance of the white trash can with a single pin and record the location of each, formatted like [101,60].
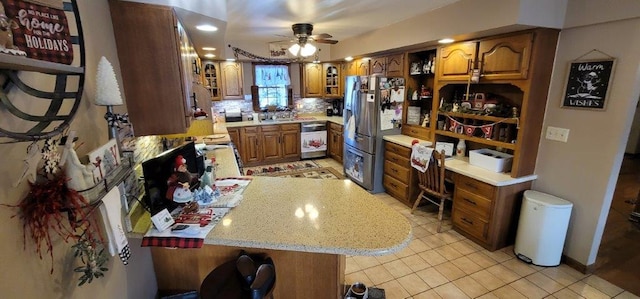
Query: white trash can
[542,228]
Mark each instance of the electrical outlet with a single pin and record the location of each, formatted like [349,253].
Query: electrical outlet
[557,134]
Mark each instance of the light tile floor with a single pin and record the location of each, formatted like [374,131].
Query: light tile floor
[447,265]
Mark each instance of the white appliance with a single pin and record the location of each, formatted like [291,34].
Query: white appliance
[313,140]
[542,228]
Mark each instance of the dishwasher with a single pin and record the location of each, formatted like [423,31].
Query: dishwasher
[313,140]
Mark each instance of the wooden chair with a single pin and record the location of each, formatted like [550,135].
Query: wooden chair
[431,183]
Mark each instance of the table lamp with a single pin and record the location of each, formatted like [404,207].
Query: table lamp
[108,94]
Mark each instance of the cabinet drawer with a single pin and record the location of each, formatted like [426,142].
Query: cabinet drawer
[336,127]
[290,127]
[394,186]
[470,224]
[400,160]
[397,171]
[475,186]
[251,129]
[271,128]
[472,203]
[398,149]
[415,131]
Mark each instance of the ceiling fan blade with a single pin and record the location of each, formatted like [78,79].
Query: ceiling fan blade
[321,36]
[326,41]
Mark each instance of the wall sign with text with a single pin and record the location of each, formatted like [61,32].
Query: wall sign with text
[588,83]
[41,31]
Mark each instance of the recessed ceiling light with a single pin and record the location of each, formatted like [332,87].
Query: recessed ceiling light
[446,41]
[348,58]
[207,28]
[208,48]
[230,59]
[209,55]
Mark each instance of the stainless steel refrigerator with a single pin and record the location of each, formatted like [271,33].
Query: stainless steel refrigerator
[367,118]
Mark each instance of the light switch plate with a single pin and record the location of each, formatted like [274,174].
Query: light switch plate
[557,134]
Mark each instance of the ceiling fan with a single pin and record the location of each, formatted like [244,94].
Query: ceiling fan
[302,33]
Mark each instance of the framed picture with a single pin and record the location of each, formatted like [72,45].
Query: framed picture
[106,158]
[587,84]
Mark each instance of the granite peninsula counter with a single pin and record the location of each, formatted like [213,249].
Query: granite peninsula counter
[307,226]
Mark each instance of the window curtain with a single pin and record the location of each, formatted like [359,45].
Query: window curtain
[272,75]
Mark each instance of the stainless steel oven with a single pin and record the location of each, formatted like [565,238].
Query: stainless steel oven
[313,140]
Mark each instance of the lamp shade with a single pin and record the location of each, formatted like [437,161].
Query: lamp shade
[307,50]
[107,90]
[294,49]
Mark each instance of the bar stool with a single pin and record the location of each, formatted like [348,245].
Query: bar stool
[225,282]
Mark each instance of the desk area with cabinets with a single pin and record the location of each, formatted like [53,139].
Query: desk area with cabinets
[486,204]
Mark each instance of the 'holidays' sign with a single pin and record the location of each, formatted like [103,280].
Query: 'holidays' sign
[40,31]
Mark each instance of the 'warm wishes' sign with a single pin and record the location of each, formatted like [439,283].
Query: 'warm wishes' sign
[41,31]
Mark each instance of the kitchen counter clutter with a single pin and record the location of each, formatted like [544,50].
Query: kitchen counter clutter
[462,166]
[307,226]
[300,119]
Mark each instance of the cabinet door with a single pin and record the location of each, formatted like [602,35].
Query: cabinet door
[505,58]
[211,72]
[231,79]
[331,80]
[291,144]
[350,68]
[395,65]
[312,76]
[251,145]
[234,134]
[158,88]
[455,61]
[362,67]
[378,65]
[271,147]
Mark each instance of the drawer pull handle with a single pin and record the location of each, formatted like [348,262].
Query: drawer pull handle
[394,170]
[467,221]
[393,185]
[470,185]
[470,201]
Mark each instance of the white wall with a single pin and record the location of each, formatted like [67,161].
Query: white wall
[585,169]
[23,274]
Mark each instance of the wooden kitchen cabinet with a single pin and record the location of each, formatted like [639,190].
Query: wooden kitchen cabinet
[455,61]
[487,214]
[332,80]
[312,77]
[517,71]
[399,180]
[269,144]
[356,67]
[158,87]
[335,144]
[500,58]
[231,80]
[211,72]
[389,66]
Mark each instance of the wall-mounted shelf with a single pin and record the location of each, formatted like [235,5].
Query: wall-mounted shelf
[63,101]
[20,63]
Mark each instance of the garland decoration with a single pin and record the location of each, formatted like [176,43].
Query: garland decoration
[237,51]
[487,129]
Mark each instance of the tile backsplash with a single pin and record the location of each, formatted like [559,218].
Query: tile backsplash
[301,105]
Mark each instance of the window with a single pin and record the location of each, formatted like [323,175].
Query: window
[273,84]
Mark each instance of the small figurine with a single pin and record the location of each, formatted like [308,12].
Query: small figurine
[80,176]
[425,121]
[179,182]
[456,107]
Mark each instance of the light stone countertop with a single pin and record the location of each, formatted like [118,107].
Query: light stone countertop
[299,214]
[463,167]
[312,215]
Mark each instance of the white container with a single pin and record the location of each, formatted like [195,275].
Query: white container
[542,228]
[490,159]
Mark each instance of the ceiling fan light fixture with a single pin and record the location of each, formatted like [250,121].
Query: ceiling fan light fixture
[307,50]
[294,49]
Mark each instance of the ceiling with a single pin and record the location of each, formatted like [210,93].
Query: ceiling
[270,20]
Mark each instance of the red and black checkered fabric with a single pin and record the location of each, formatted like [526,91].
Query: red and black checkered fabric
[43,32]
[172,242]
